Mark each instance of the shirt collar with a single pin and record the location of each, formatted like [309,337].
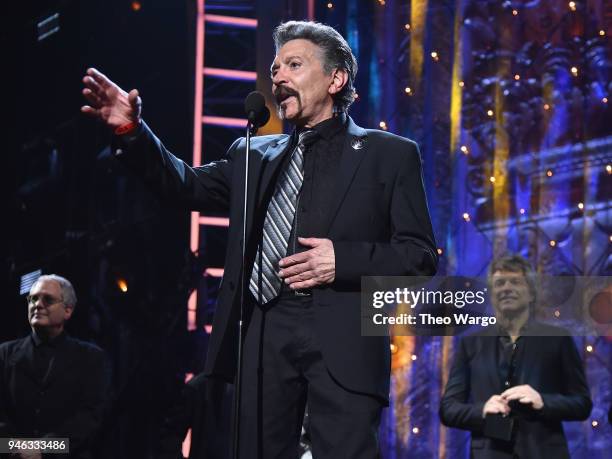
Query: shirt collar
[527,326]
[54,342]
[329,127]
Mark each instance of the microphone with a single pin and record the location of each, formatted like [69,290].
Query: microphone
[256,110]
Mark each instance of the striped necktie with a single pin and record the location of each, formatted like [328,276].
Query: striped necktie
[278,223]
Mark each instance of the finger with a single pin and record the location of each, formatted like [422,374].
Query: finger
[303,285]
[310,241]
[294,269]
[300,277]
[100,78]
[90,111]
[90,83]
[135,100]
[92,98]
[294,259]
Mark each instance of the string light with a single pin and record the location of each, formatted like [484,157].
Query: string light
[574,71]
[434,56]
[546,107]
[549,173]
[393,348]
[514,13]
[413,357]
[572,6]
[492,179]
[602,32]
[466,216]
[605,100]
[407,26]
[461,84]
[122,284]
[330,5]
[594,423]
[490,112]
[609,168]
[382,2]
[517,77]
[464,149]
[581,205]
[136,6]
[557,314]
[383,125]
[408,90]
[589,348]
[611,238]
[522,211]
[553,243]
[415,430]
[440,251]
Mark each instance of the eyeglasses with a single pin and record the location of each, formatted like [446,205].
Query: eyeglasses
[47,300]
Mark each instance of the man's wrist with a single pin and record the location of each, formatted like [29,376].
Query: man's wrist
[128,128]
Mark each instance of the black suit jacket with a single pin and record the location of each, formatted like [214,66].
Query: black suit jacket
[549,364]
[70,402]
[379,225]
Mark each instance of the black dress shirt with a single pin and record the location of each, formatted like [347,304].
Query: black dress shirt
[321,162]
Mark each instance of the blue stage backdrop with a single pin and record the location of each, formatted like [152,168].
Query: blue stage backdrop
[509,102]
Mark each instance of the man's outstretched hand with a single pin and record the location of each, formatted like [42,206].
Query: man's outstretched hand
[108,102]
[316,266]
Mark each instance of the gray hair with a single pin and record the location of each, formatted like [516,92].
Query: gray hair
[516,264]
[69,297]
[336,53]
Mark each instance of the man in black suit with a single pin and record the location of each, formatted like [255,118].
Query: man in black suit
[513,384]
[327,204]
[52,385]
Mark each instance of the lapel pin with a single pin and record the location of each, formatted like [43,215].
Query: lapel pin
[357,143]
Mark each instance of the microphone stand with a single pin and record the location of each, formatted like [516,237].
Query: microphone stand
[251,129]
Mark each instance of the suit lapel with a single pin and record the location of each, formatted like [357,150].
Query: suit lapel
[271,161]
[24,359]
[489,350]
[261,171]
[353,152]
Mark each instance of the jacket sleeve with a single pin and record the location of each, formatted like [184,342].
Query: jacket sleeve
[93,403]
[411,250]
[456,407]
[574,402]
[195,188]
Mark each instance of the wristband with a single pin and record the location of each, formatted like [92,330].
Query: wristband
[125,128]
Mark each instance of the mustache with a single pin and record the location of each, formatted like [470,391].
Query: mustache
[282,92]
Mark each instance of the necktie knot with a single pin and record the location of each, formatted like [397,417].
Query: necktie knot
[307,137]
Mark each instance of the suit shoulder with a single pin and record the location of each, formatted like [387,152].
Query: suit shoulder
[8,347]
[259,141]
[86,347]
[393,144]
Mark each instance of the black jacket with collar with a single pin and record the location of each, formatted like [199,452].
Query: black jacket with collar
[549,363]
[70,402]
[379,225]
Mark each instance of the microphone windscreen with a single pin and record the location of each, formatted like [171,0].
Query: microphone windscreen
[254,103]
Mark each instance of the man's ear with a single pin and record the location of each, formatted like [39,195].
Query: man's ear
[68,310]
[339,80]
